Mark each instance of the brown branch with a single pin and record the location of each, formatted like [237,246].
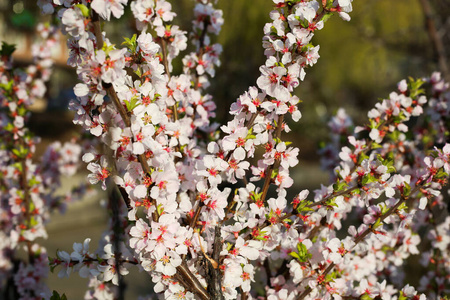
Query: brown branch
[126,119]
[191,282]
[213,273]
[270,168]
[109,88]
[97,30]
[197,215]
[334,195]
[251,120]
[166,66]
[115,208]
[435,38]
[26,198]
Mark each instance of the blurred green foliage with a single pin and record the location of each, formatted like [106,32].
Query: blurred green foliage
[361,60]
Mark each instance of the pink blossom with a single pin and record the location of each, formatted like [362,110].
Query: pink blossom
[140,235]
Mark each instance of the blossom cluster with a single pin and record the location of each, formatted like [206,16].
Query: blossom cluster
[170,162]
[27,185]
[379,164]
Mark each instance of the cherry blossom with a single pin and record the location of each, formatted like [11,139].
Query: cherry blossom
[107,7]
[189,217]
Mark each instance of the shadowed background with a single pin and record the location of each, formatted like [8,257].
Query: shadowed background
[361,61]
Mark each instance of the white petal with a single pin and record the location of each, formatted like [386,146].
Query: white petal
[88,157]
[423,203]
[81,90]
[239,153]
[140,191]
[138,148]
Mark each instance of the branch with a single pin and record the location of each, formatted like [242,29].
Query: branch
[270,168]
[191,283]
[26,199]
[166,66]
[435,39]
[115,208]
[109,88]
[213,273]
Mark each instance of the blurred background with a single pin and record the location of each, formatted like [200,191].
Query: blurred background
[361,62]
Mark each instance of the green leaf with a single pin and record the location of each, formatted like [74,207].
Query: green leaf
[160,209]
[132,104]
[262,236]
[331,202]
[21,110]
[368,179]
[52,268]
[304,23]
[366,297]
[131,43]
[274,174]
[403,206]
[402,296]
[16,152]
[383,208]
[362,157]
[329,4]
[56,296]
[406,189]
[441,174]
[84,10]
[24,20]
[415,87]
[33,181]
[138,72]
[7,86]
[255,196]
[229,246]
[7,50]
[327,16]
[303,255]
[376,145]
[340,186]
[389,163]
[18,166]
[33,222]
[377,224]
[373,124]
[303,206]
[107,48]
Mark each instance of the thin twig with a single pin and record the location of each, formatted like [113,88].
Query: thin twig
[436,39]
[26,197]
[115,208]
[268,172]
[214,274]
[166,67]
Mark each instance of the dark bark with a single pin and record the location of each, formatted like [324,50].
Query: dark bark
[213,273]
